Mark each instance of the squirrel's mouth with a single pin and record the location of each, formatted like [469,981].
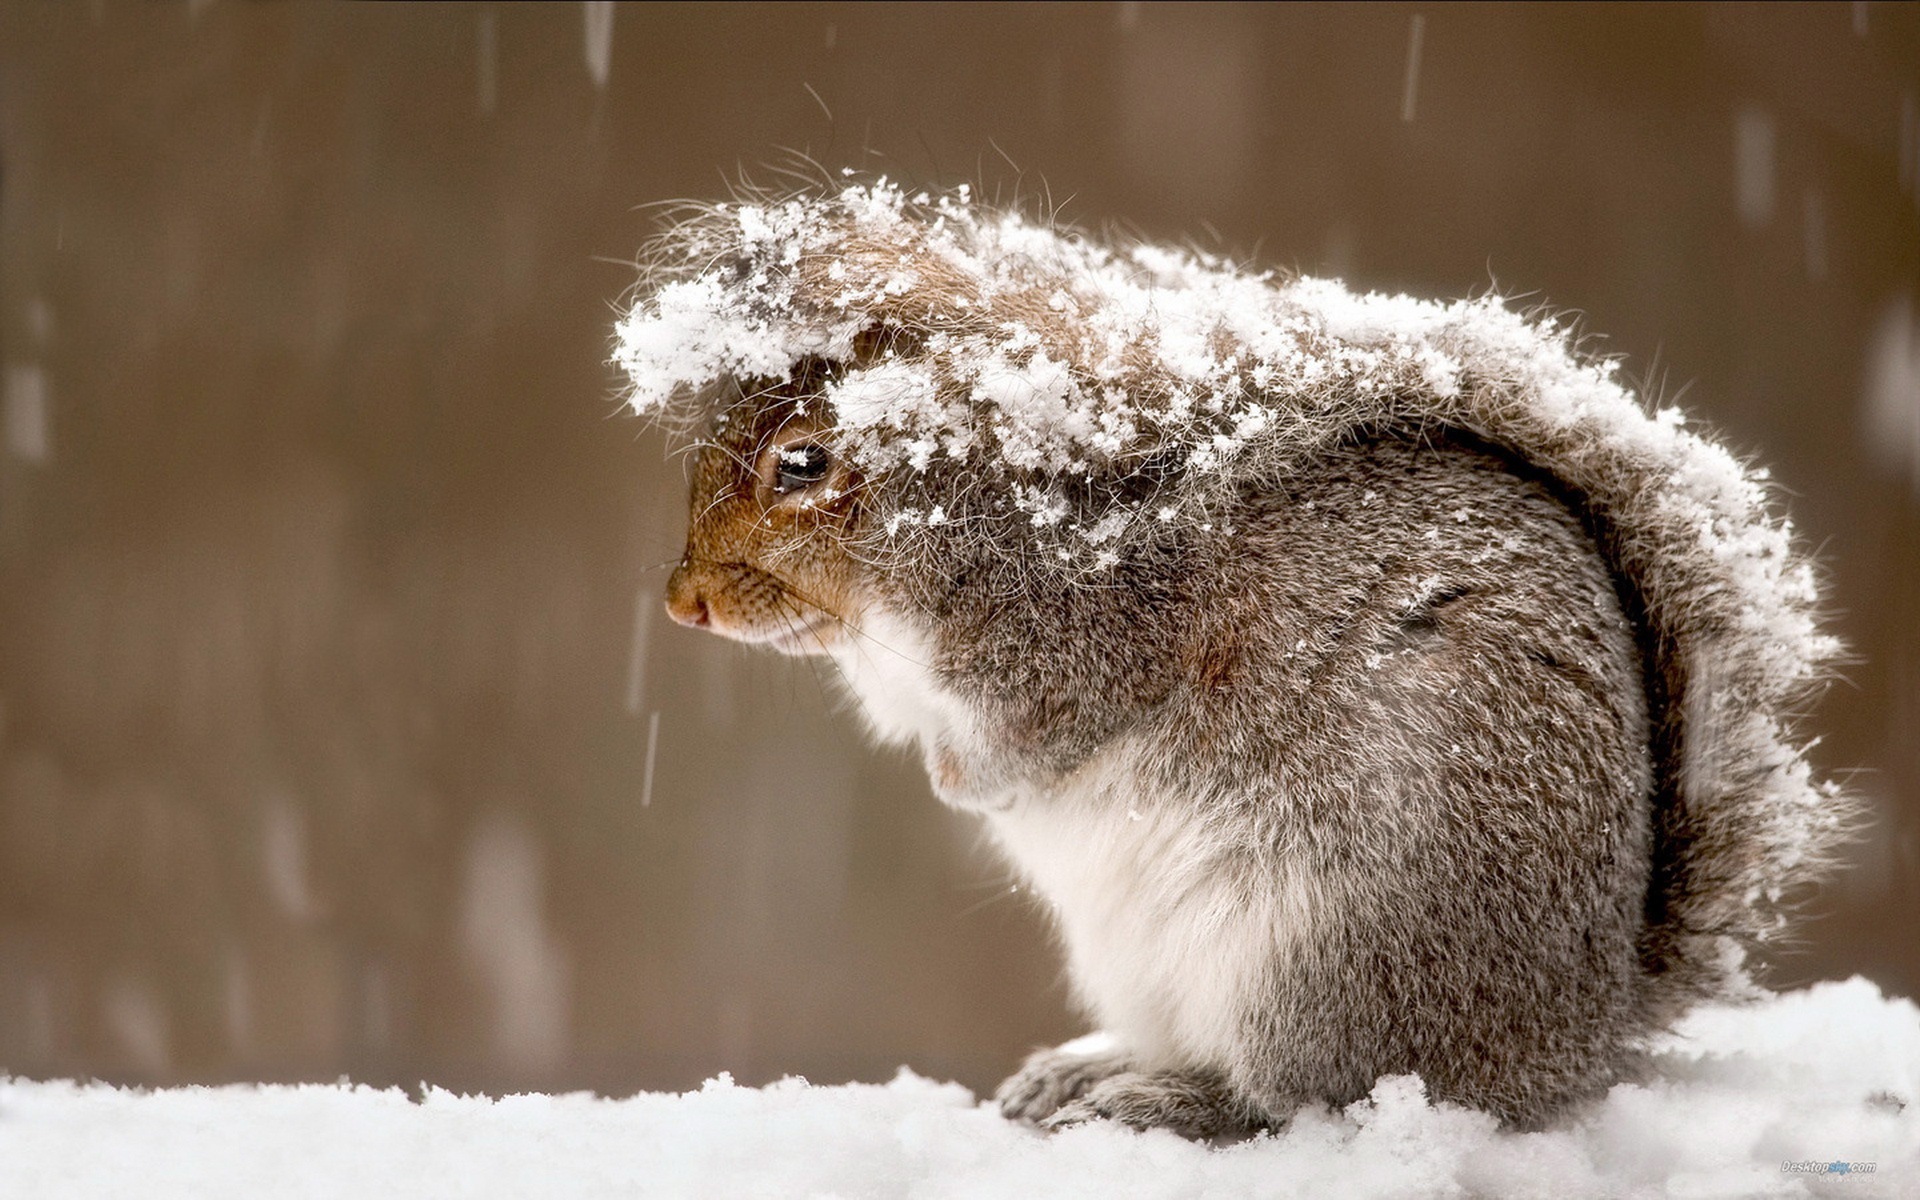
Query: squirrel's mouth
[814,634]
[798,634]
[745,603]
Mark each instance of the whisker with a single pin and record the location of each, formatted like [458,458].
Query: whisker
[653,744]
[819,678]
[846,625]
[719,498]
[999,882]
[1007,892]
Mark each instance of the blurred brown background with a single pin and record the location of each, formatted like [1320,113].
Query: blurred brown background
[330,643]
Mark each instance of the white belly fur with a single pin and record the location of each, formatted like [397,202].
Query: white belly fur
[1171,930]
[884,663]
[1172,933]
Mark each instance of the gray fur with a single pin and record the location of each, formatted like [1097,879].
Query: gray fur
[1408,680]
[1449,731]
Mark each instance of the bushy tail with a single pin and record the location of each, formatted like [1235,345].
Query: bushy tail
[1728,613]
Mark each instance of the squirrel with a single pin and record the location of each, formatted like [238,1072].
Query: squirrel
[1367,685]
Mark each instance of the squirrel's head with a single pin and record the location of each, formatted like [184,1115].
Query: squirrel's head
[772,506]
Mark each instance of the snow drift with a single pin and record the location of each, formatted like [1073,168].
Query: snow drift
[1807,1093]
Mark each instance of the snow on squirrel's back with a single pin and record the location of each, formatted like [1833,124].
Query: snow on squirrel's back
[1774,1098]
[1012,388]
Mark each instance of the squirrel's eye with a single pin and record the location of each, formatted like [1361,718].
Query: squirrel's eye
[800,467]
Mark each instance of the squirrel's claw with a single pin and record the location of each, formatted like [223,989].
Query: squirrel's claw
[1192,1105]
[1051,1079]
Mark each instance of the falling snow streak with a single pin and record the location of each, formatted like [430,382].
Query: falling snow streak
[1753,160]
[653,744]
[26,412]
[138,1021]
[40,321]
[599,28]
[637,660]
[1891,422]
[1416,36]
[509,946]
[283,856]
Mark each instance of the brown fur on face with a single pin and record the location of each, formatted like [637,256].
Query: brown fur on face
[764,563]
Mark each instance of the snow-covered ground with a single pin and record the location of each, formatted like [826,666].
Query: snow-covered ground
[1811,1093]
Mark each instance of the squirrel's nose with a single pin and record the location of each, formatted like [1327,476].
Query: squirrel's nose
[692,613]
[685,602]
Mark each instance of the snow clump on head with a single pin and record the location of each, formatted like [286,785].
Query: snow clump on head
[1079,388]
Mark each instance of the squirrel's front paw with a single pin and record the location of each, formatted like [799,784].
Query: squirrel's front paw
[1052,1078]
[1195,1106]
